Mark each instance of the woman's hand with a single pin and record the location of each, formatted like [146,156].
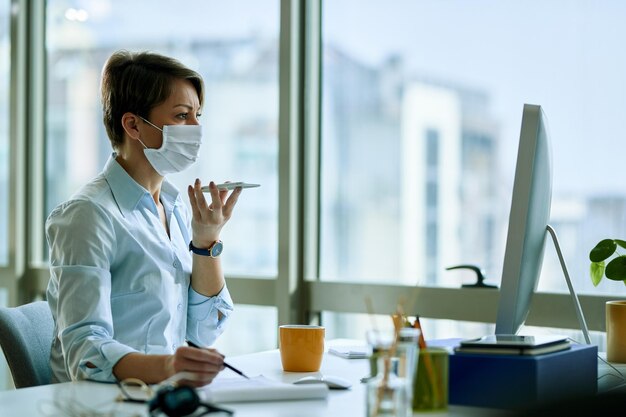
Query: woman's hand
[204,364]
[208,219]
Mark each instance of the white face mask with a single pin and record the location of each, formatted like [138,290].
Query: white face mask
[179,150]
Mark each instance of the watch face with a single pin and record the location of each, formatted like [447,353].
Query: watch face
[216,249]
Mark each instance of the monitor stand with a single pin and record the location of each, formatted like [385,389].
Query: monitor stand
[579,311]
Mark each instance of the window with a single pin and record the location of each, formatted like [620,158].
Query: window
[234,47]
[421,109]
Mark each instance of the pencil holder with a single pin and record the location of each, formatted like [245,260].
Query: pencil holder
[386,393]
[430,387]
[406,350]
[392,364]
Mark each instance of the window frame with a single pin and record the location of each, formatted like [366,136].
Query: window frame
[298,291]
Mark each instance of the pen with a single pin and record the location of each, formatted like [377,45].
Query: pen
[232,368]
[235,370]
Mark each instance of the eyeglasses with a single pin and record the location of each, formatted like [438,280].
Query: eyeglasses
[134,390]
[170,399]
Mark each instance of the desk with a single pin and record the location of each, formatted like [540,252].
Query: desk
[611,377]
[348,403]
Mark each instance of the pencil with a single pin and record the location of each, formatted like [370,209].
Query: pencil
[428,364]
[227,365]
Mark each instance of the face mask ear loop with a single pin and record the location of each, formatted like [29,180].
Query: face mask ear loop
[144,145]
[151,124]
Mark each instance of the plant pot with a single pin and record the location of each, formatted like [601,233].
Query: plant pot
[616,331]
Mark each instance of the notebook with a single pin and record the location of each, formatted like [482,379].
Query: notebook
[258,388]
[514,345]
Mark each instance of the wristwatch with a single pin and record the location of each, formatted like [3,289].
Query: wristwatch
[214,250]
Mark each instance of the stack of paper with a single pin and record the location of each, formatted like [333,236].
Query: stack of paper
[350,351]
[259,388]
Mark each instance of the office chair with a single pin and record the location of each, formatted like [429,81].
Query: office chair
[26,338]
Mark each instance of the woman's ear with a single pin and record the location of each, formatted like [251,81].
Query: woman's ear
[130,123]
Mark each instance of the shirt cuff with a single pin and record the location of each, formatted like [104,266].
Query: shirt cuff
[200,306]
[109,354]
[206,316]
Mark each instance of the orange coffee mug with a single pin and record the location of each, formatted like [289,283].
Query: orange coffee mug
[301,347]
[616,331]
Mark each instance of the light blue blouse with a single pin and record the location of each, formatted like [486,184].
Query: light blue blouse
[118,283]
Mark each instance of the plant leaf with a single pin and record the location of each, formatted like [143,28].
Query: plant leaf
[616,269]
[622,243]
[597,271]
[603,250]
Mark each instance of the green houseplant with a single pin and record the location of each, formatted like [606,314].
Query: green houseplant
[615,268]
[606,260]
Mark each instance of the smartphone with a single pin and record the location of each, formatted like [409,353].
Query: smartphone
[232,186]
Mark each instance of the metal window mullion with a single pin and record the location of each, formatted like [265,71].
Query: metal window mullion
[35,278]
[17,151]
[26,90]
[288,285]
[312,139]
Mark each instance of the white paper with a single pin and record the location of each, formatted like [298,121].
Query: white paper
[259,388]
[350,352]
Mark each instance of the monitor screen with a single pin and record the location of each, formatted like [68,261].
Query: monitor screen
[530,212]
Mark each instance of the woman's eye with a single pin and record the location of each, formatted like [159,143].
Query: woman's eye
[182,116]
[198,115]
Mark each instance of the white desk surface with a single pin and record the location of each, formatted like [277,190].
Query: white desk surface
[36,401]
[611,377]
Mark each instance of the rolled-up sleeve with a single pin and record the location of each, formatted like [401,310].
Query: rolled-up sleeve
[82,243]
[206,316]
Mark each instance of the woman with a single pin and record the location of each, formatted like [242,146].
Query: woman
[133,273]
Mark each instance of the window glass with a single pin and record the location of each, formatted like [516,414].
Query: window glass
[250,329]
[233,46]
[5,66]
[421,111]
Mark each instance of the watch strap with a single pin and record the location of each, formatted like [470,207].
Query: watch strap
[204,252]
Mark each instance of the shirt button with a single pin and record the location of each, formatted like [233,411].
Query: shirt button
[179,307]
[174,346]
[175,264]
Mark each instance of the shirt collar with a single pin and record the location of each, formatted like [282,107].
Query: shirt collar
[128,193]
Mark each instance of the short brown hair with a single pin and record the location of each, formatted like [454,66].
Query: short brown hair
[137,82]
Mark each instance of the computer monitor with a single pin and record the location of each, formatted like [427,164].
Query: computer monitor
[530,212]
